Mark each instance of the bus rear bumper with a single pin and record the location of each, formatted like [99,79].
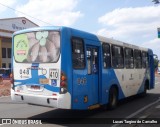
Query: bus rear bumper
[60,101]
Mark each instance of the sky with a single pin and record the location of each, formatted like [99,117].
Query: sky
[130,21]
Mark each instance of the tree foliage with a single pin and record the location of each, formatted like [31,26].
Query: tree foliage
[156,1]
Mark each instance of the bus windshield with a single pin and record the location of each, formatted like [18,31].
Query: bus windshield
[37,47]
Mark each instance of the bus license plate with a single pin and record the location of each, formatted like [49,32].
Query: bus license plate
[53,73]
[35,87]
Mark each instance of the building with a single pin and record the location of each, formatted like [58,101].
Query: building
[7,28]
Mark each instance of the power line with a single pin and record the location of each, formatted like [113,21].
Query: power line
[25,14]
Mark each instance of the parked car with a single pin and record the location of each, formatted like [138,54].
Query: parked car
[5,73]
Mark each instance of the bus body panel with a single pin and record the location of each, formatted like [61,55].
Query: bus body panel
[130,80]
[109,78]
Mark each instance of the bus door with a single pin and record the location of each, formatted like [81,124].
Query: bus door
[93,73]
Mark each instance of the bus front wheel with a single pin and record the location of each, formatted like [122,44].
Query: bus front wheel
[113,98]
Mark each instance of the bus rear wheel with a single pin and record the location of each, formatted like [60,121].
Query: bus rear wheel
[113,98]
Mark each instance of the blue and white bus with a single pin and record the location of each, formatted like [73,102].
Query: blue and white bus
[70,69]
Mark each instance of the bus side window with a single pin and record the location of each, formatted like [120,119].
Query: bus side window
[78,58]
[106,56]
[137,59]
[117,57]
[144,59]
[129,58]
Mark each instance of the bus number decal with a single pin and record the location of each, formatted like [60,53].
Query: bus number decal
[81,81]
[53,73]
[24,73]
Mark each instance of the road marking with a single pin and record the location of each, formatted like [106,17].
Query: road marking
[138,111]
[142,109]
[142,117]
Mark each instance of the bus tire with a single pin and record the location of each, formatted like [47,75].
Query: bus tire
[113,98]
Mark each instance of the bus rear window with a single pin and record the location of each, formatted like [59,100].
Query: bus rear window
[37,47]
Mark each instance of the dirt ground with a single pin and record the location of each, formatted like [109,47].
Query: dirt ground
[5,87]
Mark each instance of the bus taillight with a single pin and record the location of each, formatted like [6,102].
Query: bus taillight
[63,84]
